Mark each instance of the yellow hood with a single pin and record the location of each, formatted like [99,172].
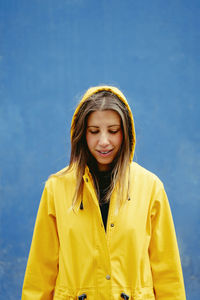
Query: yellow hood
[116,91]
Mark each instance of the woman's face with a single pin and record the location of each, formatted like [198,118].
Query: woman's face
[104,137]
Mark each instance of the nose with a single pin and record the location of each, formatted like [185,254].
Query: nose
[103,139]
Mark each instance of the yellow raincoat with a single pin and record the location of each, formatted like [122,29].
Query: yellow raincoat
[71,255]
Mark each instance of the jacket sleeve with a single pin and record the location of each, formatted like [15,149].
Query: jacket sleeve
[163,251]
[42,266]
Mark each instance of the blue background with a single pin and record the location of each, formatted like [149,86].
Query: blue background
[50,53]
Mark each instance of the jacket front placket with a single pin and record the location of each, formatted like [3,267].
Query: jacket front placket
[102,268]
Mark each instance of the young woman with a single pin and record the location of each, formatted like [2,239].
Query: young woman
[104,229]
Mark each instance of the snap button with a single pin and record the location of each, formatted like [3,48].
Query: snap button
[112,224]
[108,277]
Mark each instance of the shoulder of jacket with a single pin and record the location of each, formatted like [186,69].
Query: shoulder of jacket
[138,170]
[62,176]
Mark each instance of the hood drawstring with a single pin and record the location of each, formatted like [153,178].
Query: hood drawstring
[81,205]
[124,296]
[128,196]
[82,297]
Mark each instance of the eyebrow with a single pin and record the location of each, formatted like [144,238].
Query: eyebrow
[108,126]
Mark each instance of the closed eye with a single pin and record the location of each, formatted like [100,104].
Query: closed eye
[94,131]
[113,131]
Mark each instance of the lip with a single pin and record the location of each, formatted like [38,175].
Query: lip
[104,153]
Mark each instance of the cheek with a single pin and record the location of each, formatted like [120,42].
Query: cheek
[87,139]
[90,140]
[119,139]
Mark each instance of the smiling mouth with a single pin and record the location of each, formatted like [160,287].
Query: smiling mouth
[104,152]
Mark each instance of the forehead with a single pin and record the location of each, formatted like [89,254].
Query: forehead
[104,117]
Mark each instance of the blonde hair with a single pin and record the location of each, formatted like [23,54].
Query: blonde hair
[80,155]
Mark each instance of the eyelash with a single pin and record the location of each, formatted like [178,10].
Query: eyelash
[110,131]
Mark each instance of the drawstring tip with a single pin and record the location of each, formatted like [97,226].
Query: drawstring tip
[82,297]
[124,296]
[81,205]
